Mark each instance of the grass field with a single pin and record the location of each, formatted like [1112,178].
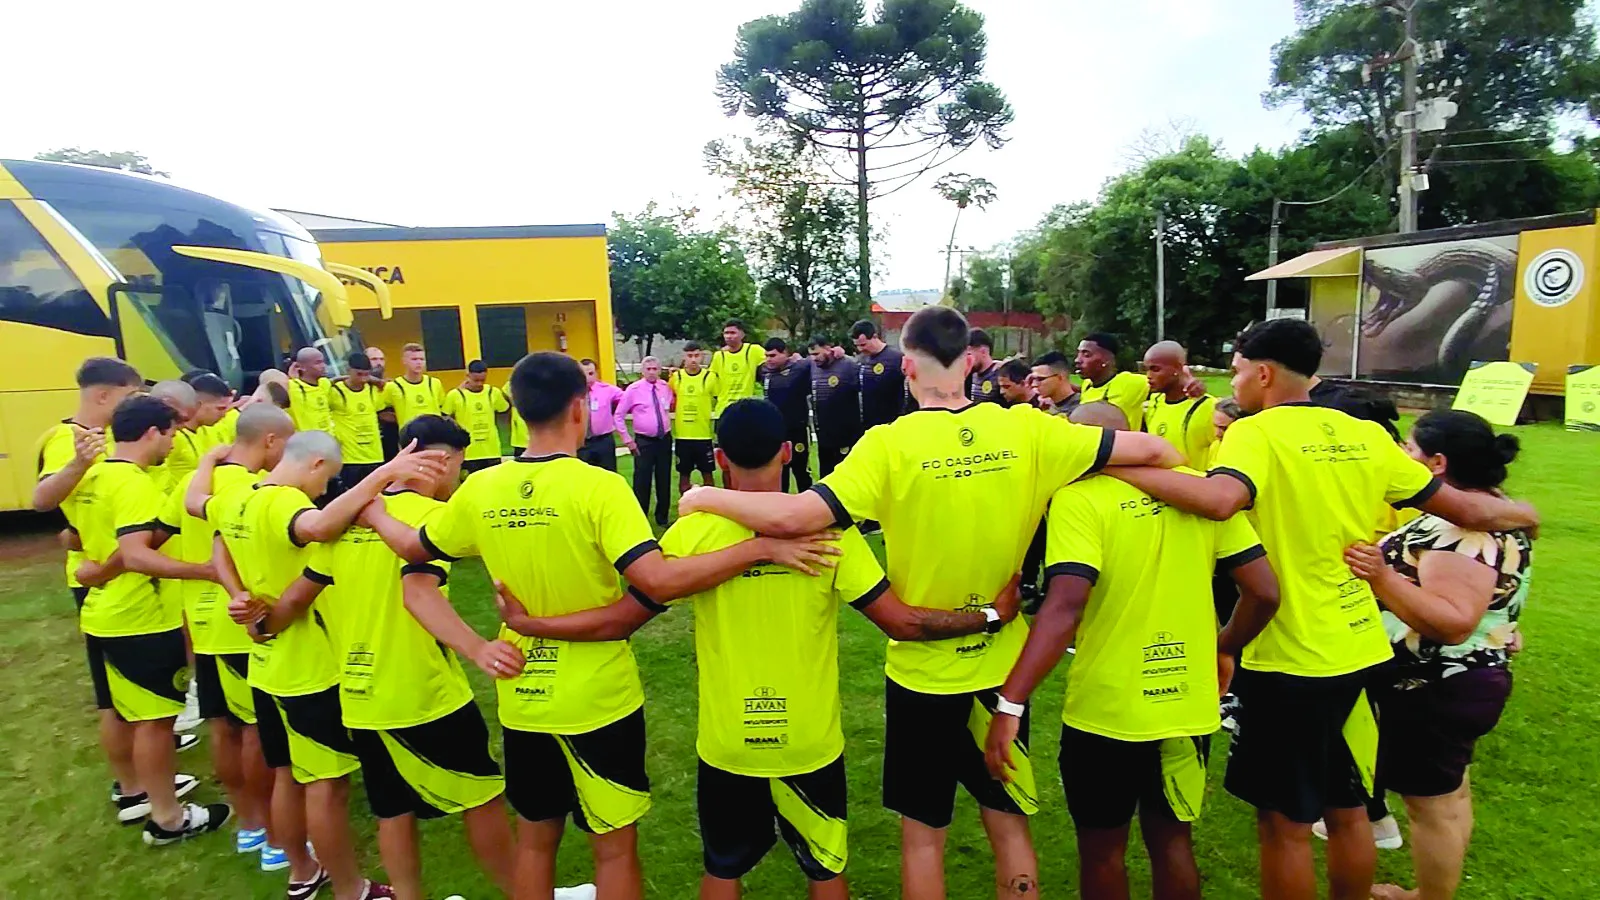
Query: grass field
[1536,778]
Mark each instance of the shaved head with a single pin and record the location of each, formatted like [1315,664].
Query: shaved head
[260,420]
[1100,414]
[311,446]
[1168,351]
[1164,368]
[307,356]
[176,393]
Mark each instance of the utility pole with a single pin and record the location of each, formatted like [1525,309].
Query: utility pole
[1408,122]
[1272,254]
[1161,275]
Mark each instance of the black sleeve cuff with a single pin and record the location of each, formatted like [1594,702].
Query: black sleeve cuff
[841,516]
[433,549]
[152,525]
[426,569]
[293,538]
[168,527]
[632,556]
[1082,570]
[1229,563]
[644,600]
[1420,497]
[1108,439]
[872,595]
[315,577]
[1243,479]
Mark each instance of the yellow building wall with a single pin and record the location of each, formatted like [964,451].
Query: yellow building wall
[559,281]
[1555,337]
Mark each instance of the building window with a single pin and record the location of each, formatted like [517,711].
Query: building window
[441,338]
[502,335]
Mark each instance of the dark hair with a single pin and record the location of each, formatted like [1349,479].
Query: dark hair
[778,344]
[1055,359]
[977,337]
[1230,408]
[1291,343]
[1014,369]
[279,394]
[210,385]
[733,323]
[193,375]
[1475,457]
[1107,342]
[103,371]
[750,432]
[864,328]
[1362,403]
[358,362]
[544,384]
[687,346]
[938,331]
[432,431]
[820,341]
[138,414]
[477,367]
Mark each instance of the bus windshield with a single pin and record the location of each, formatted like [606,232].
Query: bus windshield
[309,311]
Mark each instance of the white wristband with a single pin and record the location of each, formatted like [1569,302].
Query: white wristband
[990,614]
[1007,708]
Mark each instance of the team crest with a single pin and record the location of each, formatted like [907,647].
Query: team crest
[833,381]
[967,437]
[525,491]
[877,369]
[988,387]
[180,679]
[799,448]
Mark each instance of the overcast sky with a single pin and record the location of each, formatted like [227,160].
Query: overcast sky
[476,113]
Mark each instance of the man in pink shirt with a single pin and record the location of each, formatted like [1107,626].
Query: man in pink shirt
[600,448]
[649,402]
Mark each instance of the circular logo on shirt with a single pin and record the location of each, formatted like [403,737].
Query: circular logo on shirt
[967,437]
[987,386]
[799,448]
[1162,429]
[765,691]
[1553,278]
[1588,406]
[833,381]
[1327,429]
[877,369]
[361,407]
[525,490]
[180,679]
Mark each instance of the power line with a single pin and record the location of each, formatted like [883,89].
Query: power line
[1336,194]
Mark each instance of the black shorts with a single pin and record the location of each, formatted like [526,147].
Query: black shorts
[1426,735]
[930,747]
[430,770]
[223,685]
[1108,780]
[306,734]
[478,465]
[596,777]
[141,677]
[1291,755]
[80,594]
[738,814]
[695,455]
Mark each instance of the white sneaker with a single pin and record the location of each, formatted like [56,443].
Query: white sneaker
[1385,833]
[189,719]
[579,892]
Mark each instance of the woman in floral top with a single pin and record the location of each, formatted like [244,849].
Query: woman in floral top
[1451,600]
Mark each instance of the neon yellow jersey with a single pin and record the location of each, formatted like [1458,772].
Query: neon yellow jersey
[117,497]
[57,448]
[308,405]
[695,399]
[519,428]
[767,647]
[556,531]
[1302,461]
[257,527]
[998,467]
[1185,425]
[204,603]
[475,411]
[1391,520]
[393,673]
[1126,391]
[187,446]
[1146,667]
[410,399]
[355,422]
[735,375]
[223,431]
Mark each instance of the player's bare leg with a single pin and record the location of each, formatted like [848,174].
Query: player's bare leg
[617,875]
[1016,868]
[489,833]
[921,860]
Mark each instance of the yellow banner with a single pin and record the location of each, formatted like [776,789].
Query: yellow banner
[1583,398]
[1495,390]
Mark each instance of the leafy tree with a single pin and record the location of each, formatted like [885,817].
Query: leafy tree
[127,160]
[963,190]
[671,280]
[799,232]
[905,86]
[1516,69]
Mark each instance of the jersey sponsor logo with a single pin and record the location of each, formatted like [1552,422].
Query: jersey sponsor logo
[1164,646]
[766,741]
[1165,693]
[976,459]
[542,653]
[765,700]
[359,656]
[538,693]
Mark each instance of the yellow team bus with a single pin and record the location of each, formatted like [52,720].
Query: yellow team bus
[101,262]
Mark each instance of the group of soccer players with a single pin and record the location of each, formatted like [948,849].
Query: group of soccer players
[309,580]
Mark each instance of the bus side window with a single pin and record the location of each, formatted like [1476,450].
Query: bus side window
[36,287]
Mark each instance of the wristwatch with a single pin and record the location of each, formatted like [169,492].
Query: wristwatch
[1006,708]
[991,620]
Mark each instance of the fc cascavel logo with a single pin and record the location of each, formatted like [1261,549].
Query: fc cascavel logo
[833,381]
[1327,429]
[1553,278]
[967,437]
[526,490]
[877,369]
[987,386]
